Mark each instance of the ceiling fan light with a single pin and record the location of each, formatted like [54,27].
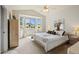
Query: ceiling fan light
[45,9]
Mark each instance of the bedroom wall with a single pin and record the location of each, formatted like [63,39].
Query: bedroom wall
[31,13]
[66,12]
[4,26]
[70,14]
[0,29]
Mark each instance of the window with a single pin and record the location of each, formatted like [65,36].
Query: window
[38,23]
[27,23]
[21,20]
[31,22]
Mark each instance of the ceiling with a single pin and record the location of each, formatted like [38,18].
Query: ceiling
[38,8]
[25,7]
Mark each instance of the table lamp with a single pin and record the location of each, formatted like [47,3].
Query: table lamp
[77,31]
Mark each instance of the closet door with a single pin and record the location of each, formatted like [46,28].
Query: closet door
[14,33]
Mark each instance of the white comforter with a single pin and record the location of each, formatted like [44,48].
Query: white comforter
[49,41]
[45,37]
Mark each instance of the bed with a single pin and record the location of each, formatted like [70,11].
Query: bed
[49,41]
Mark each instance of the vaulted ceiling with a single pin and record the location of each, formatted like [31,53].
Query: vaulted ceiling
[40,7]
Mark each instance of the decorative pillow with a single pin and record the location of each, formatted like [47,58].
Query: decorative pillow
[61,33]
[49,32]
[53,32]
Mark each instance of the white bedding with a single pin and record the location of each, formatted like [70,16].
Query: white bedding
[49,41]
[47,37]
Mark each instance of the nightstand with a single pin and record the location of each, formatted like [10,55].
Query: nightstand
[73,39]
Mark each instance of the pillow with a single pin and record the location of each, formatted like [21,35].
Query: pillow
[53,32]
[61,33]
[49,32]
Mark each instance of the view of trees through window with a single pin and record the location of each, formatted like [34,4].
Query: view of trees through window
[29,25]
[30,22]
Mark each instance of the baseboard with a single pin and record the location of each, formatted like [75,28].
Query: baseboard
[0,52]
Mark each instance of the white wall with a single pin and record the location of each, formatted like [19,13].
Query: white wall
[70,14]
[31,13]
[67,12]
[33,10]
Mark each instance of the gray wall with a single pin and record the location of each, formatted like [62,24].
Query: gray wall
[0,29]
[3,28]
[31,13]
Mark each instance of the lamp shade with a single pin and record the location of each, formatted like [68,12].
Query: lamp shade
[77,29]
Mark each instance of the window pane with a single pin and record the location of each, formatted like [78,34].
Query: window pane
[32,22]
[21,20]
[27,22]
[38,23]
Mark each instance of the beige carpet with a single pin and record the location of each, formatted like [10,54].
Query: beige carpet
[27,46]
